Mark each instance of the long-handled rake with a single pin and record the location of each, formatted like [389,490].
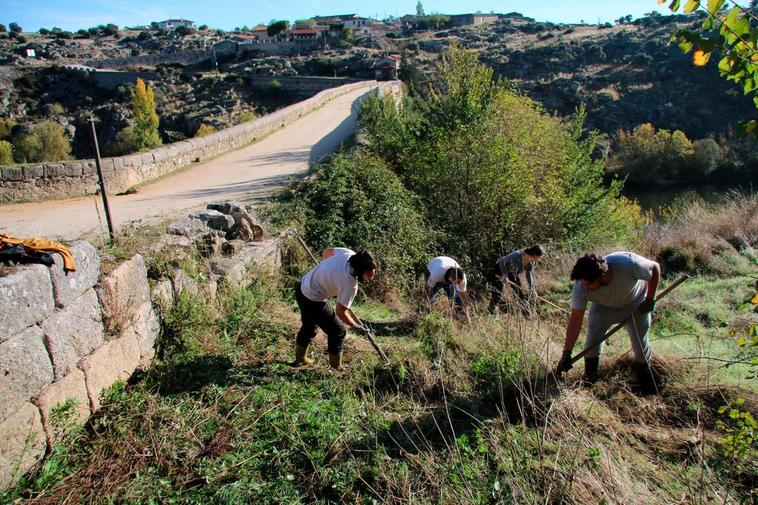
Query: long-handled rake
[370,335]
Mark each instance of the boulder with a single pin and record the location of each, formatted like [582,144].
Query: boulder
[215,220]
[209,244]
[227,207]
[73,332]
[232,247]
[163,294]
[22,443]
[25,369]
[183,282]
[188,227]
[68,286]
[246,228]
[26,298]
[265,255]
[122,293]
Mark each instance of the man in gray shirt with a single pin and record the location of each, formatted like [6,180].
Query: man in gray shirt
[507,270]
[619,285]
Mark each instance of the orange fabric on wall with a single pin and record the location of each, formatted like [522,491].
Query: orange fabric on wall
[43,245]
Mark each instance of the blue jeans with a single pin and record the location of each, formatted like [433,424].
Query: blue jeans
[449,289]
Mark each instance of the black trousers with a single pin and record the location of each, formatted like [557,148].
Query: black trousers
[318,314]
[498,286]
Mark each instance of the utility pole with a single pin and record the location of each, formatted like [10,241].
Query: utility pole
[100,178]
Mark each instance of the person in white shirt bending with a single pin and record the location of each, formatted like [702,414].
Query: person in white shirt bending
[338,274]
[445,273]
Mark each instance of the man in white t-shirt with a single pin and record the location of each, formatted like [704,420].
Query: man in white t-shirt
[445,273]
[338,274]
[619,285]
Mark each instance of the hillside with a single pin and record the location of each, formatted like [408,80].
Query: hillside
[625,74]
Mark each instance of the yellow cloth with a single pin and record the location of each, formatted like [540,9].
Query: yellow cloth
[42,245]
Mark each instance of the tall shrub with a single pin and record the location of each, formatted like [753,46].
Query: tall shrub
[358,201]
[145,117]
[6,152]
[493,171]
[45,142]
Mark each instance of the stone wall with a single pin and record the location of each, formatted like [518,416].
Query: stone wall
[45,181]
[302,84]
[187,57]
[65,337]
[112,79]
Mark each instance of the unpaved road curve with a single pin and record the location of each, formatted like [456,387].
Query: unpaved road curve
[247,174]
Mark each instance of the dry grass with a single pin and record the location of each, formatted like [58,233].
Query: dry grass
[692,235]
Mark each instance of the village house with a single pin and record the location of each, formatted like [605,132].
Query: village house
[332,20]
[303,33]
[172,24]
[260,32]
[386,68]
[359,24]
[472,19]
[244,40]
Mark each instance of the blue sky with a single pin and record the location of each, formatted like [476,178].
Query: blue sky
[226,14]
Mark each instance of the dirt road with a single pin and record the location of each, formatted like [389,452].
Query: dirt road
[247,174]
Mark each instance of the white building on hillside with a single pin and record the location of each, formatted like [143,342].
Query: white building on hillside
[172,24]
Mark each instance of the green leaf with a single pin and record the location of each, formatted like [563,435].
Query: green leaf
[691,5]
[714,6]
[735,25]
[686,46]
[674,6]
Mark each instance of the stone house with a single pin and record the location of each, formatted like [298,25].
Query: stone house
[472,19]
[386,68]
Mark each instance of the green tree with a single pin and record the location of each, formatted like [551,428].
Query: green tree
[6,125]
[3,28]
[6,152]
[145,117]
[45,142]
[492,169]
[277,27]
[646,155]
[420,9]
[726,31]
[15,28]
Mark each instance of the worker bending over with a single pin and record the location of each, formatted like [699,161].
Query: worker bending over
[619,285]
[507,270]
[445,273]
[338,274]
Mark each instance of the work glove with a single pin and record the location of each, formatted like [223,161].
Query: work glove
[362,330]
[564,365]
[646,306]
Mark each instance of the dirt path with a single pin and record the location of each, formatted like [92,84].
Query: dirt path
[248,174]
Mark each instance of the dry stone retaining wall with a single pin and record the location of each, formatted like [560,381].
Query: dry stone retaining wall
[64,338]
[45,181]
